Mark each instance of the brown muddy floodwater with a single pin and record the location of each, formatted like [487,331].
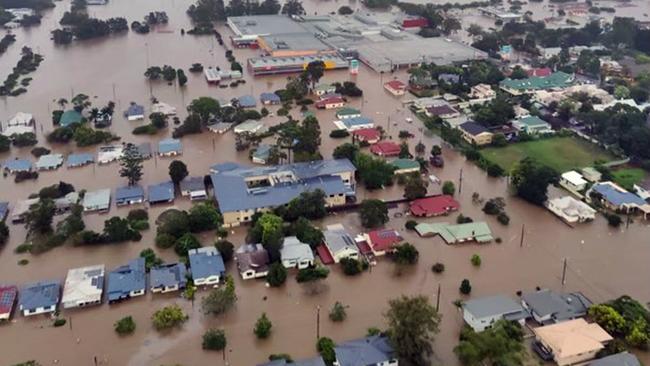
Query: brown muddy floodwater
[603,263]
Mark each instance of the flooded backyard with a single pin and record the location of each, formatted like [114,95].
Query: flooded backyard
[603,262]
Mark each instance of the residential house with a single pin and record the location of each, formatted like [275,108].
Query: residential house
[4,210]
[317,361]
[168,277]
[99,200]
[454,234]
[433,206]
[163,108]
[422,81]
[134,112]
[591,174]
[13,166]
[405,166]
[479,314]
[475,134]
[572,342]
[21,119]
[252,261]
[69,117]
[395,87]
[571,210]
[49,162]
[369,135]
[8,295]
[206,265]
[220,127]
[354,123]
[382,241]
[170,147]
[161,192]
[144,150]
[532,125]
[270,99]
[482,91]
[330,103]
[78,160]
[385,149]
[573,181]
[39,298]
[249,127]
[614,197]
[296,254]
[127,281]
[247,101]
[212,76]
[323,89]
[339,244]
[369,351]
[548,307]
[109,153]
[260,155]
[541,72]
[241,191]
[347,112]
[83,287]
[619,359]
[642,189]
[449,78]
[555,81]
[194,188]
[17,130]
[129,195]
[444,111]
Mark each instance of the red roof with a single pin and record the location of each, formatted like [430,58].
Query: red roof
[324,254]
[411,22]
[364,248]
[395,85]
[434,206]
[540,72]
[383,240]
[7,298]
[385,148]
[367,134]
[333,100]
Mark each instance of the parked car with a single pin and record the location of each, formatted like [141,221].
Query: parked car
[543,352]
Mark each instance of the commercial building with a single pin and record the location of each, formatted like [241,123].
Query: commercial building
[480,314]
[572,342]
[129,195]
[570,210]
[289,65]
[127,281]
[168,277]
[296,254]
[532,125]
[83,287]
[206,265]
[8,295]
[557,80]
[99,200]
[252,261]
[242,191]
[39,298]
[548,307]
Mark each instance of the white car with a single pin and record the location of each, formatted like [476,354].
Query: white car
[434,179]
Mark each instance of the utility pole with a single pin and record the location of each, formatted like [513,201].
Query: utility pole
[564,273]
[317,323]
[460,182]
[438,299]
[521,243]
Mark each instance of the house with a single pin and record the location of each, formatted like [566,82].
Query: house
[316,361]
[247,101]
[354,123]
[454,234]
[541,72]
[619,359]
[405,166]
[571,210]
[78,160]
[83,287]
[413,21]
[170,147]
[220,127]
[556,81]
[475,134]
[270,99]
[296,254]
[382,241]
[572,342]
[99,200]
[129,195]
[385,149]
[134,112]
[322,89]
[144,150]
[127,281]
[444,111]
[241,191]
[482,91]
[206,265]
[433,206]
[194,188]
[422,81]
[212,76]
[573,181]
[260,155]
[330,95]
[395,87]
[348,112]
[161,192]
[532,125]
[548,307]
[69,117]
[249,127]
[168,277]
[8,295]
[369,351]
[13,166]
[39,298]
[17,130]
[615,197]
[163,108]
[449,78]
[252,261]
[330,103]
[339,244]
[591,174]
[109,153]
[21,119]
[479,314]
[369,135]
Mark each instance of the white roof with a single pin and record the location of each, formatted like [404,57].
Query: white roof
[163,108]
[572,207]
[109,153]
[49,161]
[17,129]
[574,178]
[21,119]
[83,285]
[292,248]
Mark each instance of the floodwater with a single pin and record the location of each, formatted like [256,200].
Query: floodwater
[602,262]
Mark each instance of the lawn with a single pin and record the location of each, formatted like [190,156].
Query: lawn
[559,153]
[628,177]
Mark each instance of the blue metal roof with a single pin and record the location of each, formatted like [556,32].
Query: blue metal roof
[161,192]
[617,197]
[129,192]
[80,159]
[206,262]
[124,279]
[269,97]
[356,121]
[39,295]
[18,165]
[366,351]
[262,152]
[170,145]
[247,101]
[4,210]
[135,110]
[168,275]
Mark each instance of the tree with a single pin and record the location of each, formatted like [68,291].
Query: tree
[226,249]
[263,327]
[351,266]
[531,179]
[448,188]
[214,340]
[608,318]
[621,92]
[268,230]
[315,69]
[325,347]
[150,258]
[307,233]
[436,150]
[518,72]
[182,78]
[404,152]
[373,172]
[346,151]
[293,7]
[4,233]
[412,324]
[476,260]
[277,275]
[39,217]
[420,148]
[474,30]
[345,10]
[450,25]
[312,274]
[220,299]
[338,313]
[131,164]
[168,317]
[310,204]
[158,120]
[205,107]
[465,287]
[117,230]
[177,171]
[406,254]
[185,243]
[415,187]
[373,213]
[500,344]
[203,216]
[125,325]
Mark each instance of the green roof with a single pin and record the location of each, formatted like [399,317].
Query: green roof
[323,87]
[347,111]
[401,164]
[555,80]
[533,121]
[69,117]
[477,231]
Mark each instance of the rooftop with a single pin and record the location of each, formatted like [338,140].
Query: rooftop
[436,205]
[129,192]
[127,278]
[206,262]
[17,165]
[559,306]
[269,97]
[75,160]
[574,178]
[168,275]
[167,146]
[401,164]
[572,338]
[338,239]
[347,111]
[619,359]
[161,192]
[8,295]
[247,101]
[83,285]
[556,80]
[367,134]
[259,25]
[39,295]
[134,110]
[385,148]
[192,184]
[384,239]
[292,248]
[616,195]
[252,257]
[98,198]
[372,350]
[497,305]
[473,128]
[532,121]
[478,231]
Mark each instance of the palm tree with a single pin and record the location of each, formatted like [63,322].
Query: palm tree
[62,102]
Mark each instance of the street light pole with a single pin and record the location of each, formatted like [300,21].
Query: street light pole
[317,323]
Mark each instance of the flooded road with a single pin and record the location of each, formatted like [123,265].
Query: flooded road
[602,262]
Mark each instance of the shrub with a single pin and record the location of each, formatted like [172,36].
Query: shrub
[281,356]
[226,249]
[277,275]
[125,325]
[40,151]
[59,322]
[168,317]
[165,241]
[137,215]
[23,262]
[465,287]
[23,248]
[373,331]
[214,340]
[312,274]
[614,220]
[338,313]
[325,347]
[503,218]
[438,267]
[462,219]
[351,266]
[145,130]
[476,260]
[263,327]
[410,224]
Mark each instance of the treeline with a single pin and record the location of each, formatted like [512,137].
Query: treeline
[81,26]
[27,64]
[206,11]
[6,41]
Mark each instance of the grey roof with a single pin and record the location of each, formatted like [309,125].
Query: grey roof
[129,193]
[17,165]
[269,97]
[233,194]
[365,351]
[560,306]
[316,361]
[49,161]
[75,160]
[144,149]
[206,262]
[170,145]
[252,256]
[134,110]
[4,210]
[100,197]
[40,294]
[619,359]
[337,238]
[192,184]
[124,279]
[473,128]
[168,275]
[292,248]
[262,152]
[264,24]
[449,78]
[161,192]
[247,101]
[497,305]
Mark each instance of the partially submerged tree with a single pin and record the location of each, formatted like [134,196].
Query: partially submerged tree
[131,164]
